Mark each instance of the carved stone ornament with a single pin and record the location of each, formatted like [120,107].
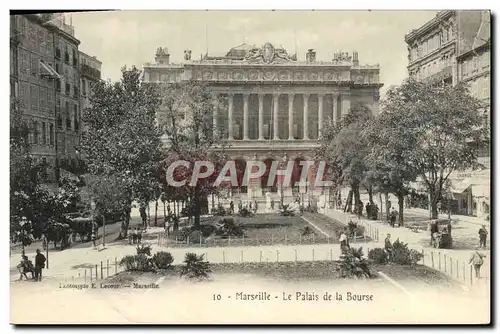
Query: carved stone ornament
[328,76]
[223,75]
[207,75]
[312,76]
[283,75]
[238,75]
[299,76]
[268,54]
[253,75]
[269,75]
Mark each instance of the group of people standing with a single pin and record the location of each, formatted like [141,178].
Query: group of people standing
[393,216]
[134,236]
[26,266]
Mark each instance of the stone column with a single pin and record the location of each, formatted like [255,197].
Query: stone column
[245,116]
[346,103]
[216,110]
[306,116]
[275,116]
[334,107]
[261,116]
[230,116]
[290,116]
[320,113]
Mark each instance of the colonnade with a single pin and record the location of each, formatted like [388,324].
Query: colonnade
[344,100]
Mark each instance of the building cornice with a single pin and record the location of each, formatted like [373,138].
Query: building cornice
[483,47]
[451,45]
[90,57]
[237,65]
[428,26]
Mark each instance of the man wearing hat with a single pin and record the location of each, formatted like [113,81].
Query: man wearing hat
[39,265]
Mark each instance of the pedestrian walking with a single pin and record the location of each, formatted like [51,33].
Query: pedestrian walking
[272,204]
[130,241]
[94,236]
[231,207]
[368,210]
[344,241]
[483,234]
[393,217]
[134,236]
[142,212]
[477,261]
[39,265]
[388,247]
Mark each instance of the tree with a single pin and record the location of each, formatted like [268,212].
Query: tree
[25,179]
[122,139]
[432,133]
[345,151]
[106,194]
[388,156]
[186,118]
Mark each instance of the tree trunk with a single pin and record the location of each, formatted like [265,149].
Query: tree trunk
[195,205]
[103,230]
[401,202]
[381,210]
[370,194]
[387,206]
[164,212]
[149,216]
[348,204]
[125,223]
[434,206]
[156,212]
[357,198]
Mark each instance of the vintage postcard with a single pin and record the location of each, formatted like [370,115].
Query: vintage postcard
[250,167]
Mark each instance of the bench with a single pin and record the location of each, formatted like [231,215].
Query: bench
[23,270]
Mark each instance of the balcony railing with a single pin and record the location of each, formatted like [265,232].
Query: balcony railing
[90,71]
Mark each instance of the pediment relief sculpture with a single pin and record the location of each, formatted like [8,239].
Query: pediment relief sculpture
[268,54]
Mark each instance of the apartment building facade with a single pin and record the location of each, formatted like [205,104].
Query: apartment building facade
[90,73]
[455,47]
[33,82]
[45,79]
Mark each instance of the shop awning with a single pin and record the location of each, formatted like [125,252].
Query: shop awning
[47,70]
[459,187]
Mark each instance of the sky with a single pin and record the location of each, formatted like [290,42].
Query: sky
[131,37]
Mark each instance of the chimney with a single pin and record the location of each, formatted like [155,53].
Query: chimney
[355,60]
